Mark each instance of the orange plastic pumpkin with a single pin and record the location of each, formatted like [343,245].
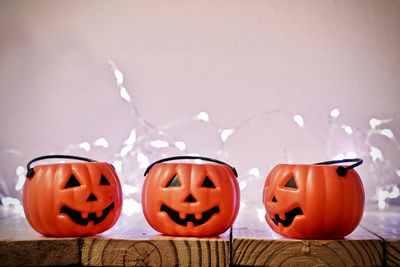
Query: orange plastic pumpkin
[190,199]
[72,199]
[314,201]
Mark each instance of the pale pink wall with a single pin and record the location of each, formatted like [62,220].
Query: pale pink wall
[230,59]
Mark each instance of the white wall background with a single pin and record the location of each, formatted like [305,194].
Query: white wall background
[233,60]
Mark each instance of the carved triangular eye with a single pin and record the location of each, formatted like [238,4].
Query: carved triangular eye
[207,183]
[291,183]
[104,181]
[174,181]
[72,182]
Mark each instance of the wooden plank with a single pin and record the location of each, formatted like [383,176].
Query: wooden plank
[263,247]
[49,252]
[392,253]
[386,224]
[21,245]
[163,251]
[133,243]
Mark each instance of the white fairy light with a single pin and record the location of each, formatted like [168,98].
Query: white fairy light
[131,206]
[382,195]
[129,189]
[374,122]
[348,129]
[299,120]
[143,160]
[381,204]
[20,170]
[339,157]
[132,138]
[350,155]
[117,165]
[242,185]
[20,182]
[125,150]
[159,143]
[180,145]
[395,192]
[375,154]
[119,77]
[85,146]
[203,116]
[254,172]
[13,204]
[261,215]
[124,94]
[101,142]
[387,133]
[335,113]
[226,133]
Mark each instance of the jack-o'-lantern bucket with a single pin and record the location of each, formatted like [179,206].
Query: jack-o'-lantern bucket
[71,199]
[319,201]
[189,199]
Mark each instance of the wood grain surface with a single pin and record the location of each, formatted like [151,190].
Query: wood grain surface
[259,248]
[131,242]
[386,225]
[163,251]
[20,245]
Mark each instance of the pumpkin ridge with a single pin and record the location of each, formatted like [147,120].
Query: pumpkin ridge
[330,214]
[119,192]
[355,187]
[52,196]
[27,203]
[236,197]
[325,207]
[221,172]
[39,224]
[343,199]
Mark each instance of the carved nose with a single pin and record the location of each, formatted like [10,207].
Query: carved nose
[91,198]
[190,198]
[274,199]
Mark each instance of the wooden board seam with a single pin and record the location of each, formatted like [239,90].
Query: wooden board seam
[230,245]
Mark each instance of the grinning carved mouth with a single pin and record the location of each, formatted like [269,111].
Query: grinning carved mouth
[76,216]
[174,215]
[289,217]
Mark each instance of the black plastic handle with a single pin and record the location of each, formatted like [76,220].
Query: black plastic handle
[341,171]
[190,157]
[31,172]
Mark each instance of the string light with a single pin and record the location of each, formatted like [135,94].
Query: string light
[146,143]
[299,120]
